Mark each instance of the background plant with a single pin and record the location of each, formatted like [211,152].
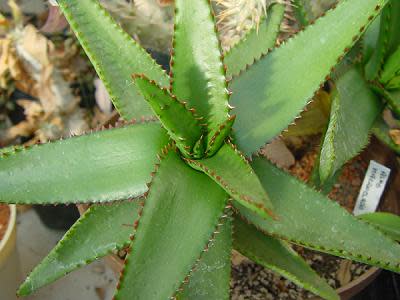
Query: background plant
[369,73]
[180,224]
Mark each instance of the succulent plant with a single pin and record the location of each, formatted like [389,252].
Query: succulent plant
[236,18]
[369,73]
[183,185]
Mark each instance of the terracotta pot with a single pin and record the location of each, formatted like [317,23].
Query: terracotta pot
[375,151]
[10,275]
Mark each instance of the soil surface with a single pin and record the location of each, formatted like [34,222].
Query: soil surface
[4,217]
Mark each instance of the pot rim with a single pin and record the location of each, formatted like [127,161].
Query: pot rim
[10,227]
[357,285]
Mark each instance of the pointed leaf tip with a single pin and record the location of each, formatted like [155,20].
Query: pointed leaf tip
[178,120]
[217,137]
[90,238]
[230,169]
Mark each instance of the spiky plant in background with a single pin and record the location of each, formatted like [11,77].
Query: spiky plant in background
[178,228]
[236,17]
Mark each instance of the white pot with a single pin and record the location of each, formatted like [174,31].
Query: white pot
[10,275]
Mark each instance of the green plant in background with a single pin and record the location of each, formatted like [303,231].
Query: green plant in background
[181,187]
[366,81]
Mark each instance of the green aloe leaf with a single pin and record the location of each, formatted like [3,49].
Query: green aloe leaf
[177,222]
[180,122]
[381,131]
[211,277]
[103,166]
[114,54]
[388,40]
[315,179]
[219,136]
[391,68]
[279,257]
[395,102]
[385,222]
[307,218]
[370,39]
[348,132]
[273,91]
[87,240]
[394,83]
[256,43]
[392,97]
[230,169]
[197,70]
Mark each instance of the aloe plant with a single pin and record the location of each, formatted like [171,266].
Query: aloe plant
[178,188]
[366,81]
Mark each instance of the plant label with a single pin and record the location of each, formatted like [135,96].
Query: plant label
[372,188]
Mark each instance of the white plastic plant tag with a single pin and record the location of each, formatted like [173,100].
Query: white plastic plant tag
[372,188]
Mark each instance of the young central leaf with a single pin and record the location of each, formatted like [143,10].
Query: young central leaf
[180,122]
[197,70]
[232,172]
